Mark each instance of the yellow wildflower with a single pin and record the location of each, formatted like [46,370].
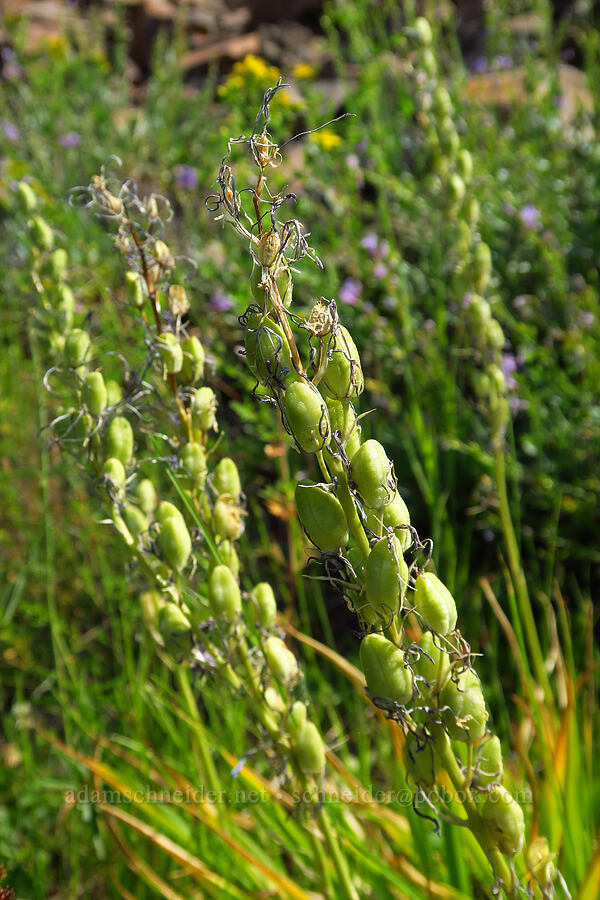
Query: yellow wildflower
[326,139]
[304,70]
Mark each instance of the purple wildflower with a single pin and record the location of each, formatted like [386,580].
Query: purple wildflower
[467,300]
[480,65]
[70,139]
[370,242]
[509,365]
[186,177]
[586,319]
[220,303]
[11,132]
[530,216]
[380,271]
[503,62]
[352,161]
[350,291]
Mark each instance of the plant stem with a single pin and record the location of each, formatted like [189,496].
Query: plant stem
[339,861]
[354,523]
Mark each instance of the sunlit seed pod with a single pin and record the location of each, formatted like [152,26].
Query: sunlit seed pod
[478,314]
[344,420]
[224,594]
[394,514]
[93,393]
[118,440]
[433,664]
[262,605]
[228,519]
[135,519]
[175,629]
[442,104]
[423,31]
[504,820]
[115,203]
[386,579]
[385,670]
[497,380]
[495,335]
[174,543]
[434,603]
[26,196]
[449,139]
[170,352]
[146,495]
[456,189]
[55,265]
[541,861]
[309,750]
[267,350]
[372,473]
[482,266]
[306,416]
[466,716]
[297,717]
[192,369]
[226,478]
[151,206]
[281,661]
[64,308]
[114,394]
[193,461]
[162,255]
[229,556]
[134,285]
[285,285]
[77,348]
[268,249]
[41,233]
[322,516]
[343,378]
[178,300]
[464,164]
[422,763]
[472,211]
[490,768]
[114,475]
[203,409]
[274,700]
[429,62]
[166,511]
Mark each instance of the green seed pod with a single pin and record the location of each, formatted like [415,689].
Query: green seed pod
[93,393]
[174,543]
[135,519]
[421,762]
[55,265]
[423,31]
[394,514]
[134,285]
[541,861]
[464,164]
[504,819]
[285,285]
[429,62]
[478,314]
[386,673]
[175,629]
[146,495]
[344,420]
[490,768]
[434,603]
[162,255]
[281,661]
[228,518]
[267,350]
[306,415]
[494,335]
[309,750]
[226,478]
[192,369]
[467,716]
[268,249]
[372,473]
[64,308]
[26,197]
[118,440]
[442,104]
[297,717]
[193,460]
[224,594]
[229,556]
[114,471]
[343,378]
[322,516]
[170,352]
[482,266]
[203,409]
[77,348]
[456,189]
[168,511]
[178,300]
[386,579]
[435,673]
[274,700]
[472,211]
[114,394]
[262,605]
[449,139]
[41,233]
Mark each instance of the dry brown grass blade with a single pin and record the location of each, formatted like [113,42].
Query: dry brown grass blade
[351,672]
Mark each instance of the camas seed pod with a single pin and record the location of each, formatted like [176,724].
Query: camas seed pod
[433,665]
[93,393]
[55,265]
[490,768]
[267,350]
[114,476]
[224,594]
[268,249]
[421,762]
[464,163]
[467,716]
[394,514]
[192,369]
[504,819]
[228,518]
[262,605]
[26,196]
[146,495]
[230,558]
[135,519]
[306,415]
[434,603]
[166,511]
[175,629]
[343,378]
[134,285]
[386,673]
[541,861]
[162,255]
[114,394]
[64,308]
[193,460]
[274,700]
[297,717]
[386,579]
[372,473]
[170,352]
[322,516]
[118,440]
[456,189]
[344,426]
[226,478]
[281,661]
[77,348]
[175,543]
[482,266]
[423,31]
[203,409]
[41,233]
[309,750]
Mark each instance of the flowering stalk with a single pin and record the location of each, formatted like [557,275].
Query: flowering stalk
[418,666]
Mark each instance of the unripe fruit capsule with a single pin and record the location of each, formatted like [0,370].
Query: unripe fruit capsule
[421,762]
[343,419]
[26,196]
[482,266]
[281,661]
[170,352]
[166,511]
[297,717]
[343,378]
[385,671]
[135,289]
[135,519]
[64,308]
[224,594]
[504,819]
[203,408]
[192,369]
[228,554]
[114,473]
[146,494]
[175,629]
[228,519]
[386,578]
[193,460]
[394,514]
[77,347]
[41,233]
[267,349]
[490,767]
[268,249]
[309,750]
[307,417]
[262,605]
[114,394]
[118,440]
[93,393]
[226,478]
[322,516]
[436,672]
[464,698]
[373,475]
[175,543]
[434,603]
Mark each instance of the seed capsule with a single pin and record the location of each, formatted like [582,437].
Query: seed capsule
[373,475]
[168,511]
[504,819]
[224,594]
[386,673]
[456,189]
[343,378]
[322,516]
[193,460]
[541,861]
[274,700]
[226,478]
[344,421]
[135,519]
[114,394]
[309,750]
[203,409]
[134,285]
[394,514]
[118,440]
[495,335]
[423,31]
[26,196]
[307,417]
[77,348]
[281,661]
[93,393]
[267,350]
[162,255]
[297,717]
[386,580]
[228,519]
[146,495]
[175,629]
[114,474]
[434,603]
[482,266]
[268,249]
[464,163]
[175,543]
[64,308]
[262,605]
[467,716]
[170,352]
[421,762]
[41,233]
[178,300]
[434,670]
[192,369]
[230,558]
[55,265]
[490,767]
